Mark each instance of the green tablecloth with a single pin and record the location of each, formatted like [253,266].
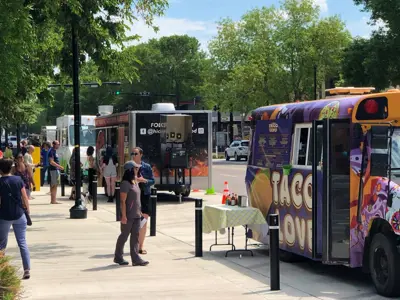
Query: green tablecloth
[216,217]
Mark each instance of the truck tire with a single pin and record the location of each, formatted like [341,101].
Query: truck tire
[384,265]
[185,193]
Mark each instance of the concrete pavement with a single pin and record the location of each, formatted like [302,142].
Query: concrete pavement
[72,259]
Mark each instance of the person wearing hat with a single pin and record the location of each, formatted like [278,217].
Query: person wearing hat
[130,216]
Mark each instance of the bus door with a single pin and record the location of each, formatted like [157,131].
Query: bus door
[336,191]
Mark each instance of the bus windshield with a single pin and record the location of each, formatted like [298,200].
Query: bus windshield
[88,135]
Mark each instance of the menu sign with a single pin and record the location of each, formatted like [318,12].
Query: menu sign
[272,142]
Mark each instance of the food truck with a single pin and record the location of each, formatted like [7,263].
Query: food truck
[123,131]
[66,136]
[330,169]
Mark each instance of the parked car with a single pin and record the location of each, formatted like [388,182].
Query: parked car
[237,150]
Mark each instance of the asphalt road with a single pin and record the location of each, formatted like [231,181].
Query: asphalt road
[232,171]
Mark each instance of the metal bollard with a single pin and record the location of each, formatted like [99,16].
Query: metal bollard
[198,227]
[118,201]
[273,223]
[94,192]
[62,179]
[153,217]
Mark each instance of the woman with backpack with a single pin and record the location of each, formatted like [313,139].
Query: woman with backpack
[14,209]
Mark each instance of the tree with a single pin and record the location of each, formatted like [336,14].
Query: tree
[381,62]
[36,37]
[366,63]
[274,50]
[171,65]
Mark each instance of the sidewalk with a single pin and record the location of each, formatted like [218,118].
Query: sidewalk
[72,259]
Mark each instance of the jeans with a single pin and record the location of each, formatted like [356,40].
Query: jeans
[131,228]
[43,172]
[19,227]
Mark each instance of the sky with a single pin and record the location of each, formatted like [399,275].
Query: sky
[198,17]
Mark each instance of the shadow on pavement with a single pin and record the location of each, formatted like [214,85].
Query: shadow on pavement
[51,250]
[100,256]
[311,272]
[103,268]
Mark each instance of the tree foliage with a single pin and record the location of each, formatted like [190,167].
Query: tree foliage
[163,67]
[35,37]
[379,65]
[269,55]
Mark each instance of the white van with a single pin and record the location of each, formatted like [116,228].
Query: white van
[66,137]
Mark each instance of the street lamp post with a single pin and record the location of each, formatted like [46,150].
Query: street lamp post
[78,211]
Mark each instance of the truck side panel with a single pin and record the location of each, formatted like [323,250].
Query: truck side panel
[146,134]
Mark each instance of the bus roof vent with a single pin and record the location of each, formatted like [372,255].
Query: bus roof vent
[351,90]
[163,107]
[105,110]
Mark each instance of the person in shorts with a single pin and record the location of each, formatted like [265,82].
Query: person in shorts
[146,180]
[55,169]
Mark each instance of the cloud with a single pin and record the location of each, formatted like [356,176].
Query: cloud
[323,5]
[363,28]
[202,30]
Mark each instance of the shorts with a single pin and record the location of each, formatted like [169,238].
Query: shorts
[145,202]
[54,176]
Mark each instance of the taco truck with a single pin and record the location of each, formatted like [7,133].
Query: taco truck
[331,169]
[123,131]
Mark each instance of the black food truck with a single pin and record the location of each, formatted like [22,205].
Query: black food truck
[144,129]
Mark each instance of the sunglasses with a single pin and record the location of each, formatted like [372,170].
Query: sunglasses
[134,153]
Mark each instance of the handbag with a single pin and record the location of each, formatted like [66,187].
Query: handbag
[27,216]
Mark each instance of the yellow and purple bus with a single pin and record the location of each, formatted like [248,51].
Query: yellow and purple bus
[331,169]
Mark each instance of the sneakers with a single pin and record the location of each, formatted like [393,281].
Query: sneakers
[27,275]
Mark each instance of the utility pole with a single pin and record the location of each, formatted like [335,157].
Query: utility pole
[78,211]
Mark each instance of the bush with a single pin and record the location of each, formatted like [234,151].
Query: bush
[10,282]
[220,155]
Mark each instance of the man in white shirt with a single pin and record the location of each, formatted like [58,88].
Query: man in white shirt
[28,157]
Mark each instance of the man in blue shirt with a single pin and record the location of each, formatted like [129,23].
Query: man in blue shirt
[146,180]
[54,168]
[44,155]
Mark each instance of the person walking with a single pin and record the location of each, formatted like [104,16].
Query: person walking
[130,216]
[24,171]
[146,180]
[72,174]
[23,149]
[55,168]
[13,203]
[91,167]
[110,165]
[44,158]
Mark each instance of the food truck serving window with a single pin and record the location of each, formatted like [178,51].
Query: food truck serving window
[373,109]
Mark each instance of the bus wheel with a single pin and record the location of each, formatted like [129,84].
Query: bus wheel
[384,265]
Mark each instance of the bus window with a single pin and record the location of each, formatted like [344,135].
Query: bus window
[64,135]
[373,109]
[302,145]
